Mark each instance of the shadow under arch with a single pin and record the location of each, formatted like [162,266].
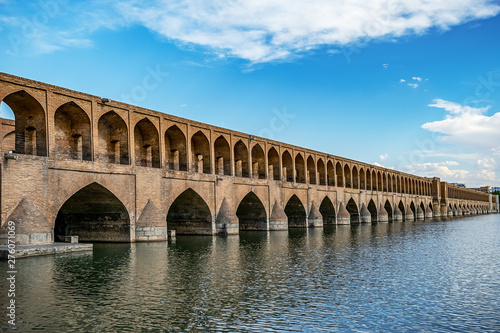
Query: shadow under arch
[296,213]
[327,210]
[252,213]
[94,214]
[190,215]
[353,210]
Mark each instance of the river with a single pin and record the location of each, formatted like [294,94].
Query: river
[439,276]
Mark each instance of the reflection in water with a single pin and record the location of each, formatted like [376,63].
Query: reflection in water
[414,276]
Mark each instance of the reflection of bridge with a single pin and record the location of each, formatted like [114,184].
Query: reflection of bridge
[107,171]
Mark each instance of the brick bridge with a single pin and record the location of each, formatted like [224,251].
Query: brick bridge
[76,164]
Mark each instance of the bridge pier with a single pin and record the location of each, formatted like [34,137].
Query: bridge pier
[343,216]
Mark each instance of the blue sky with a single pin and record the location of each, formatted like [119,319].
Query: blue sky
[409,85]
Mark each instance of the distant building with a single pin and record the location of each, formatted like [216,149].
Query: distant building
[458,184]
[484,189]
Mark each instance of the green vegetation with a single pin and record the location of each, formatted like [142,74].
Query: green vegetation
[496,192]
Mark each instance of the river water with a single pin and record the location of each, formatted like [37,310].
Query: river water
[440,276]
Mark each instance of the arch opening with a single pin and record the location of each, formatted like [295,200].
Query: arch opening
[200,152]
[311,170]
[355,179]
[296,213]
[113,139]
[241,160]
[373,210]
[72,133]
[347,176]
[287,167]
[352,208]
[189,215]
[30,128]
[388,209]
[330,173]
[175,149]
[251,213]
[94,214]
[300,169]
[273,162]
[401,207]
[362,180]
[147,144]
[222,156]
[327,210]
[258,162]
[340,175]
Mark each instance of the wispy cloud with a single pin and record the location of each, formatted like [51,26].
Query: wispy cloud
[413,85]
[261,31]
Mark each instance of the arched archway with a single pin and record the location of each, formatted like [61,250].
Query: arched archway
[330,171]
[200,150]
[373,210]
[222,156]
[113,139]
[258,162]
[287,166]
[30,128]
[347,176]
[175,149]
[311,170]
[147,144]
[327,210]
[251,213]
[296,213]
[355,179]
[340,175]
[189,214]
[273,162]
[401,207]
[362,180]
[369,180]
[94,214]
[301,168]
[72,133]
[352,208]
[320,165]
[413,209]
[241,160]
[388,209]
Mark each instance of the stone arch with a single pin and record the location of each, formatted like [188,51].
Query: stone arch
[189,214]
[327,210]
[355,179]
[320,165]
[369,180]
[401,207]
[176,149]
[311,170]
[422,206]
[241,168]
[347,176]
[398,184]
[388,208]
[374,181]
[200,151]
[372,208]
[222,156]
[362,179]
[113,139]
[273,162]
[30,123]
[287,166]
[296,213]
[300,167]
[146,144]
[413,209]
[94,214]
[330,174]
[72,133]
[258,162]
[384,182]
[353,210]
[380,183]
[9,142]
[340,175]
[251,213]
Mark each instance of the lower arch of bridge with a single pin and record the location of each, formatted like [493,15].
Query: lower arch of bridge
[94,214]
[353,210]
[388,209]
[189,215]
[327,210]
[251,213]
[413,209]
[372,208]
[296,213]
[401,207]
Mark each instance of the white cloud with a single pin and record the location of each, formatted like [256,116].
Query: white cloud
[413,85]
[402,80]
[183,105]
[417,78]
[467,126]
[487,163]
[261,31]
[385,66]
[383,157]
